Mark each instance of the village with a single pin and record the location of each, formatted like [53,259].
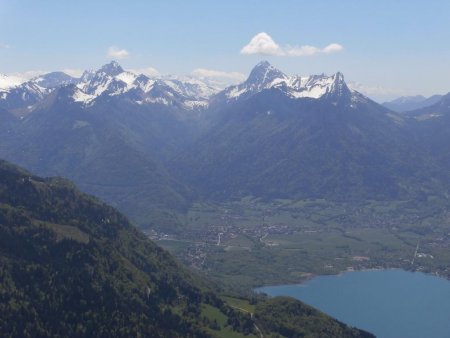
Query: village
[350,238]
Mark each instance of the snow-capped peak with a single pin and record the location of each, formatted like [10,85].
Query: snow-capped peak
[113,68]
[262,76]
[109,78]
[265,76]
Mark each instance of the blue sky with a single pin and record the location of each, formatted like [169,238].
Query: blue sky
[389,48]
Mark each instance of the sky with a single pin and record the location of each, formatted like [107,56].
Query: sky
[384,48]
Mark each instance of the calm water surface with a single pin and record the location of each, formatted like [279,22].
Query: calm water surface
[388,303]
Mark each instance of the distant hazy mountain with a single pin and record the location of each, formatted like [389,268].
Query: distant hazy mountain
[433,129]
[406,103]
[436,112]
[54,79]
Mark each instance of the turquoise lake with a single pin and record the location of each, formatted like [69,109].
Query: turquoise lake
[388,303]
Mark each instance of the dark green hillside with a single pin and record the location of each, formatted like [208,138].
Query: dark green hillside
[72,266]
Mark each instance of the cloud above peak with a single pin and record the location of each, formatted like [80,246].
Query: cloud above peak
[263,44]
[209,73]
[117,53]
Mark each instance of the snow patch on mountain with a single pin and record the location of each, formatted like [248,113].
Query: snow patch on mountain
[127,77]
[81,97]
[191,86]
[314,86]
[7,82]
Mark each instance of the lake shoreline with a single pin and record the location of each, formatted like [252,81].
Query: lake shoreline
[311,276]
[389,302]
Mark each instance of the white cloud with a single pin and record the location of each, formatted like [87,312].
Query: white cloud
[301,50]
[149,71]
[73,72]
[209,73]
[4,46]
[17,78]
[27,75]
[30,74]
[117,53]
[333,48]
[263,44]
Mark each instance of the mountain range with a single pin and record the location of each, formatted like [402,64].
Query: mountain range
[408,103]
[110,80]
[293,137]
[152,146]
